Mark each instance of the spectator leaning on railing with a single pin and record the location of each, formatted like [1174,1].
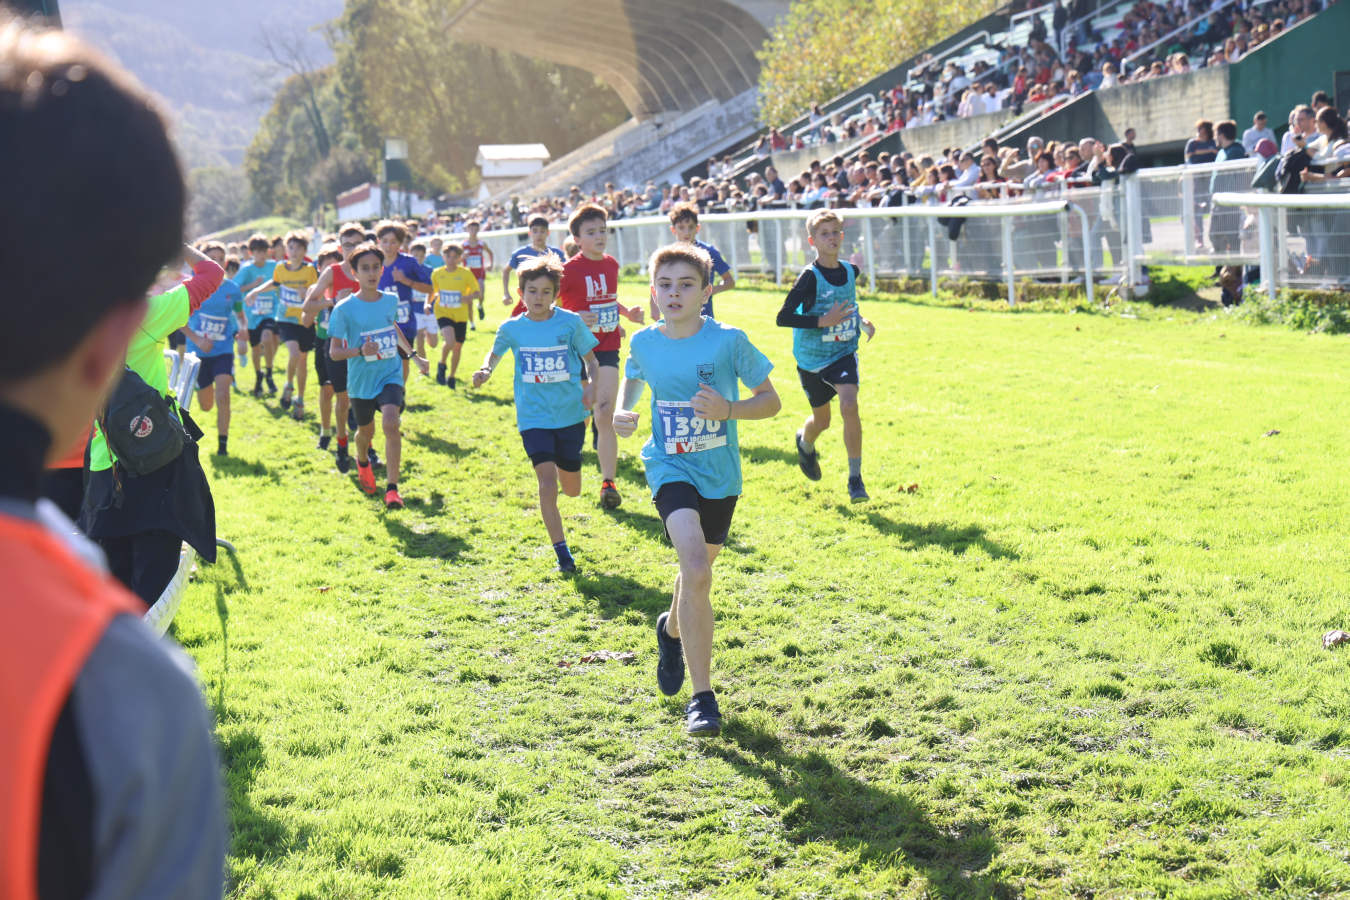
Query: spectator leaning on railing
[1258,132]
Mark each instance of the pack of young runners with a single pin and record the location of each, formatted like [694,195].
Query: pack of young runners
[366,308]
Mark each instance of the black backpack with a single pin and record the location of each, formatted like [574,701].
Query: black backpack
[142,428]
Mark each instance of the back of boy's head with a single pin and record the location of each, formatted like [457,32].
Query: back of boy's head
[679,252]
[583,214]
[213,246]
[820,217]
[546,266]
[385,226]
[86,156]
[365,249]
[683,212]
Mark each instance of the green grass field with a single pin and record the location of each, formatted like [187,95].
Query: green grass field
[1083,659]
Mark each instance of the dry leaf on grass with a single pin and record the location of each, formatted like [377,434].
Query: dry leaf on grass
[1334,638]
[1272,432]
[623,656]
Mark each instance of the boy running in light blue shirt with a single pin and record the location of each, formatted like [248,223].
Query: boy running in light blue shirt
[694,366]
[211,329]
[264,335]
[822,311]
[364,330]
[549,345]
[684,227]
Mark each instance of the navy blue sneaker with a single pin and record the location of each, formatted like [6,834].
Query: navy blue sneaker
[702,717]
[809,463]
[670,659]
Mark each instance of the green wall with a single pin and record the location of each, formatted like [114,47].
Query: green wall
[1280,74]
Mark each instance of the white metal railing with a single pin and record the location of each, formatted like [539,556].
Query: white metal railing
[1320,223]
[904,241]
[949,53]
[825,120]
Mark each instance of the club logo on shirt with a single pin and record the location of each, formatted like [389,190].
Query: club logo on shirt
[563,337]
[705,372]
[141,427]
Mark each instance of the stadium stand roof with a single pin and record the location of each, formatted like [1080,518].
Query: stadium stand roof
[659,56]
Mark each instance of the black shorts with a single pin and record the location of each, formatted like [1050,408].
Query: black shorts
[561,446]
[365,410]
[294,331]
[819,386]
[337,372]
[321,361]
[715,515]
[177,339]
[213,366]
[461,328]
[607,358]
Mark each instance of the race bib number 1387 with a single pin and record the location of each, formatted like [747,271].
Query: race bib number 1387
[687,433]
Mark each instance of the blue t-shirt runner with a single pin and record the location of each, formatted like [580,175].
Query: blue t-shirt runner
[356,321]
[264,305]
[409,266]
[548,367]
[684,447]
[216,320]
[719,268]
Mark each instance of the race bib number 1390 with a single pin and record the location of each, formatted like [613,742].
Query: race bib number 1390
[687,433]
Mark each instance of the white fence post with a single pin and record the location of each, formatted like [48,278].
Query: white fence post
[1132,210]
[932,254]
[1006,228]
[1187,216]
[1265,227]
[869,256]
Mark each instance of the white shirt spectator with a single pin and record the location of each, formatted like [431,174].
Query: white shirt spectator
[1253,136]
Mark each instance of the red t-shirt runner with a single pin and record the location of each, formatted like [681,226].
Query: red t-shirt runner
[341,282]
[593,284]
[473,260]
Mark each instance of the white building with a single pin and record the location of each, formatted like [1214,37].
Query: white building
[365,201]
[502,165]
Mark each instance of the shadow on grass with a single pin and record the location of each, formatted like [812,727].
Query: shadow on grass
[820,802]
[237,467]
[495,400]
[438,445]
[614,593]
[954,539]
[255,833]
[761,453]
[424,545]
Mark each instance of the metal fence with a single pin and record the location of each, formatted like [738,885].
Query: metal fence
[1051,232]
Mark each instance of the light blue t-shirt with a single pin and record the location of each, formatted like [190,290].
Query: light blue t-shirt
[528,252]
[684,447]
[355,321]
[816,348]
[215,319]
[548,361]
[264,305]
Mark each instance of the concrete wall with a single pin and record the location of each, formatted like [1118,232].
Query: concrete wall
[932,139]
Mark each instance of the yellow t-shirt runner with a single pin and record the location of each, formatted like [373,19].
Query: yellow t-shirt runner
[451,289]
[292,285]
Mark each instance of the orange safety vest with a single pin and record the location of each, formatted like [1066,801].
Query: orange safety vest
[53,610]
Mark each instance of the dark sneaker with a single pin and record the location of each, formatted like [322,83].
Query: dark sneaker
[450,382]
[669,660]
[440,373]
[257,389]
[372,457]
[286,396]
[482,313]
[809,463]
[568,568]
[271,385]
[702,717]
[344,460]
[324,439]
[609,496]
[856,492]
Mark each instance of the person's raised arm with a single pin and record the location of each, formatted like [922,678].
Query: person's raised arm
[633,313]
[408,351]
[728,282]
[206,277]
[592,371]
[320,287]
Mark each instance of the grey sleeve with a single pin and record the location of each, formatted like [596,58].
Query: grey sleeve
[159,819]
